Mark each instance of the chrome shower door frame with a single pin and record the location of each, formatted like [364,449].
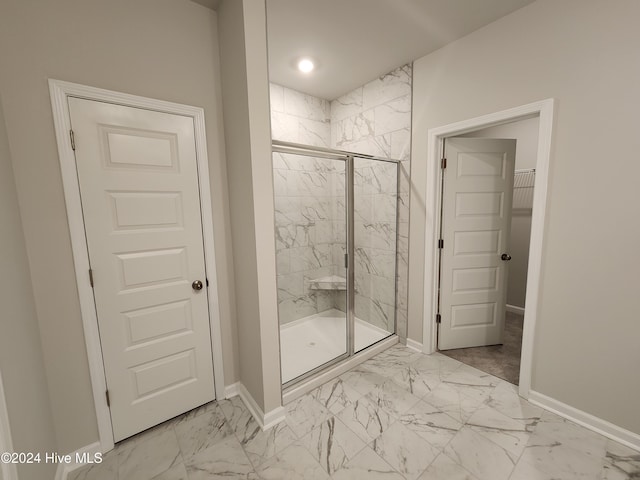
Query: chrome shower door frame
[349,159]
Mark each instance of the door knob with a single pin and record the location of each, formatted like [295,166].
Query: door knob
[506,257]
[197,285]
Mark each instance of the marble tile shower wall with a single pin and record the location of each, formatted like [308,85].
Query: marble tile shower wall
[310,208]
[304,205]
[375,119]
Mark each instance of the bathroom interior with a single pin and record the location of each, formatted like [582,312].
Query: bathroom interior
[338,170]
[341,169]
[341,193]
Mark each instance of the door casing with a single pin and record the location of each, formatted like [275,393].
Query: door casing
[544,109]
[59,92]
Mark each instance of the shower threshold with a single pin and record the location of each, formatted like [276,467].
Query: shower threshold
[312,341]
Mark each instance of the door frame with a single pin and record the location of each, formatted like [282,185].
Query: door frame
[59,92]
[544,109]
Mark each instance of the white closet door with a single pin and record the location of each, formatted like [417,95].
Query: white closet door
[476,221]
[140,199]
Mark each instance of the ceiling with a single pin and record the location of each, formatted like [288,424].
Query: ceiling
[354,41]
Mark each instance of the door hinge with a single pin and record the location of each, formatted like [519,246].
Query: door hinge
[91,277]
[73,140]
[441,243]
[108,399]
[346,260]
[443,163]
[438,318]
[206,281]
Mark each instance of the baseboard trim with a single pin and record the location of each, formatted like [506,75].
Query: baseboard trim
[413,345]
[598,425]
[232,390]
[265,420]
[64,469]
[514,309]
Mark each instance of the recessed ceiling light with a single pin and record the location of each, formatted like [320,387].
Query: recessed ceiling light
[305,65]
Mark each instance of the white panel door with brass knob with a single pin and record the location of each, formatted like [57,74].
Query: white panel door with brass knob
[138,180]
[476,222]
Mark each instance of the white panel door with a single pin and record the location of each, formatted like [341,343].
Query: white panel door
[141,205]
[476,221]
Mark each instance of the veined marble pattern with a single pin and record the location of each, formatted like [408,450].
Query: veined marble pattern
[299,118]
[375,119]
[346,430]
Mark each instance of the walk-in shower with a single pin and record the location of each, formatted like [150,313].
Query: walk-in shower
[336,235]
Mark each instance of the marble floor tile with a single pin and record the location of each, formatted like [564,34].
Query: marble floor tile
[335,395]
[404,450]
[305,414]
[239,419]
[293,463]
[428,422]
[556,444]
[510,434]
[480,456]
[400,354]
[177,472]
[621,460]
[561,463]
[392,398]
[415,381]
[149,458]
[207,407]
[436,363]
[145,436]
[505,399]
[332,444]
[107,470]
[381,367]
[472,382]
[526,471]
[367,465]
[557,461]
[366,419]
[390,361]
[450,400]
[429,418]
[260,445]
[362,380]
[443,468]
[226,459]
[559,448]
[201,432]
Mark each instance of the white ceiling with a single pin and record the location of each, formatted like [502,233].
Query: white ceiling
[355,41]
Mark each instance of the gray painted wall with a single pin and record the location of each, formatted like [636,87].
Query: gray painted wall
[21,363]
[164,49]
[582,53]
[245,87]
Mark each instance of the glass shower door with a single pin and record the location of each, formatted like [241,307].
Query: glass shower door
[375,205]
[310,226]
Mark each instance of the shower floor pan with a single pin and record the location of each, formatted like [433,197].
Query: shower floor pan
[312,341]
